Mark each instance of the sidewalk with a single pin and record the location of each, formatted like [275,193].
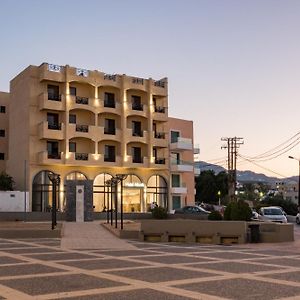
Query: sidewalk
[90,235]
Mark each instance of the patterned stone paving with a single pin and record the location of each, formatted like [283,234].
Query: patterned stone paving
[41,269]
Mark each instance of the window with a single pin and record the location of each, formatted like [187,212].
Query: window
[137,128]
[73,91]
[109,100]
[176,202]
[52,120]
[175,180]
[174,136]
[175,158]
[72,147]
[136,103]
[53,92]
[1,156]
[2,109]
[72,119]
[137,155]
[110,126]
[110,153]
[2,133]
[52,148]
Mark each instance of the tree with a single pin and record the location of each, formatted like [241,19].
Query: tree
[6,182]
[208,184]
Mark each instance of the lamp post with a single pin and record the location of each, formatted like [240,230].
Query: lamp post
[219,195]
[121,177]
[292,157]
[107,183]
[55,179]
[114,183]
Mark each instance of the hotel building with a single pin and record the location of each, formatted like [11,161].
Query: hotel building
[89,125]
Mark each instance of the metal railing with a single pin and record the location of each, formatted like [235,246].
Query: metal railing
[137,106]
[160,109]
[110,103]
[160,161]
[81,156]
[159,135]
[54,97]
[82,100]
[82,128]
[54,126]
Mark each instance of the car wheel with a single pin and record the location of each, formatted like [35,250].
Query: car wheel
[298,221]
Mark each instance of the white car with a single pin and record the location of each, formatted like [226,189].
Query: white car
[298,218]
[273,213]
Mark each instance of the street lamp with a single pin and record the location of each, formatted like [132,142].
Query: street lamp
[107,183]
[55,179]
[121,177]
[292,157]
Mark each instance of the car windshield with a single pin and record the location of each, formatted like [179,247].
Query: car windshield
[272,211]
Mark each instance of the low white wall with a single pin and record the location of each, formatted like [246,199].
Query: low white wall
[13,201]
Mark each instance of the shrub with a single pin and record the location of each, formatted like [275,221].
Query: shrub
[159,212]
[215,216]
[238,211]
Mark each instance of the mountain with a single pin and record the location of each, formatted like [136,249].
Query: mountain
[243,176]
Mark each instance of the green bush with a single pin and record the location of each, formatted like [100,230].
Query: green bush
[238,211]
[159,213]
[215,216]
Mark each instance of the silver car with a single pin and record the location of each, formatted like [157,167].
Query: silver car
[273,213]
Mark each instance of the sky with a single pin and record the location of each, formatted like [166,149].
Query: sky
[233,66]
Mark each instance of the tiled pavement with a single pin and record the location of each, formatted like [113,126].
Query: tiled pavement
[42,269]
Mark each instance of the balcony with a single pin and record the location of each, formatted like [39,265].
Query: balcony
[141,137]
[136,162]
[160,140]
[51,102]
[160,109]
[159,163]
[82,128]
[111,107]
[82,100]
[44,158]
[197,171]
[87,131]
[137,106]
[182,144]
[160,114]
[51,131]
[52,72]
[182,189]
[181,166]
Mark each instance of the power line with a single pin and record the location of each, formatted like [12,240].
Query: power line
[258,165]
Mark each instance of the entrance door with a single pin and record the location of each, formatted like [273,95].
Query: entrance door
[79,203]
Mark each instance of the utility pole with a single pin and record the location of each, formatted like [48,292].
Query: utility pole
[232,145]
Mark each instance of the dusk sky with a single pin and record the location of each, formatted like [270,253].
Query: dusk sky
[233,66]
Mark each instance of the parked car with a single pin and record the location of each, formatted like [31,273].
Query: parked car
[191,210]
[298,218]
[273,213]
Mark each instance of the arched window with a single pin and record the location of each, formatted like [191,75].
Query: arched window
[157,191]
[76,176]
[100,192]
[42,192]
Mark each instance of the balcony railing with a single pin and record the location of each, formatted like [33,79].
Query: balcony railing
[160,161]
[54,155]
[81,156]
[110,131]
[110,158]
[110,77]
[82,100]
[54,97]
[159,83]
[82,128]
[160,109]
[137,159]
[137,106]
[110,103]
[137,133]
[54,126]
[137,80]
[159,135]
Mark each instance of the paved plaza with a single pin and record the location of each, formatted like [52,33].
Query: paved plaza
[86,270]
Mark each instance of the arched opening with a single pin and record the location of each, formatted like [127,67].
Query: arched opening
[76,176]
[157,191]
[42,192]
[100,192]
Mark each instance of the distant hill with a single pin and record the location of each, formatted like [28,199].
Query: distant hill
[244,176]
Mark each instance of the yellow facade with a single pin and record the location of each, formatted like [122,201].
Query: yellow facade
[81,124]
